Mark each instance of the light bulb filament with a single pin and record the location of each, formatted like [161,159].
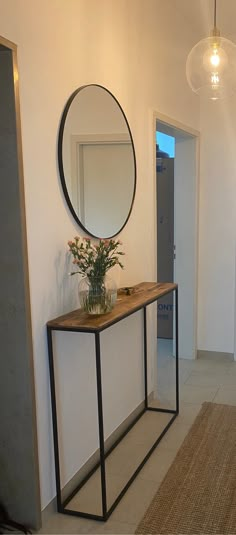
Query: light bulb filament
[215,59]
[215,79]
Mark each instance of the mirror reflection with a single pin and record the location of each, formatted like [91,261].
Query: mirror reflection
[97,161]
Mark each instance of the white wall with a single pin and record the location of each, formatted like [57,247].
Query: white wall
[137,49]
[76,374]
[216,318]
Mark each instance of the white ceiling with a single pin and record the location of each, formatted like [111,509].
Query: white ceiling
[200,15]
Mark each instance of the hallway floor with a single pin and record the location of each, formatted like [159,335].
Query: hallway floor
[200,380]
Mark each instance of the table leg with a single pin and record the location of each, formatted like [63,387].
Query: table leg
[100,424]
[177,349]
[54,419]
[145,355]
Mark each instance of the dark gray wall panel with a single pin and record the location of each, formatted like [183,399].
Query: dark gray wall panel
[19,480]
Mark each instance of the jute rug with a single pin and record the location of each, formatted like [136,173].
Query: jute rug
[198,493]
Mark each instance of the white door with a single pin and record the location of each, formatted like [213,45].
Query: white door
[186,241]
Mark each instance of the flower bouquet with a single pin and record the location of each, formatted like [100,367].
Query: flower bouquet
[97,293]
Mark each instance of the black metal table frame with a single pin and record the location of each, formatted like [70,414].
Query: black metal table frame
[61,505]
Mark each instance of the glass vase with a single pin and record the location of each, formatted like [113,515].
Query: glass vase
[97,295]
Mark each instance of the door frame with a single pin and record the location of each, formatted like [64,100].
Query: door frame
[172,125]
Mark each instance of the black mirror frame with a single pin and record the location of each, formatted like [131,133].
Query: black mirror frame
[61,167]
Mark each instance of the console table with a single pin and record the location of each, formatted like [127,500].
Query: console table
[143,295]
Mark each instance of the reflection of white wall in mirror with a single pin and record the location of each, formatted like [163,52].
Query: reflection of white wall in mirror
[95,112]
[102,180]
[106,197]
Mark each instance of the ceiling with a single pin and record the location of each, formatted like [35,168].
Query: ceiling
[200,15]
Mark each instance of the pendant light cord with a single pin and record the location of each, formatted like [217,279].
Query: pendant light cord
[215,15]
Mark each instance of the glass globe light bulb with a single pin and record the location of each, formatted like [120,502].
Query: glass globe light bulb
[211,67]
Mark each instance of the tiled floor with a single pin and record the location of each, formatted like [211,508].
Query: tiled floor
[200,380]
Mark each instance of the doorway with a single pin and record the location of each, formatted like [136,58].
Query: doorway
[165,229]
[177,232]
[19,488]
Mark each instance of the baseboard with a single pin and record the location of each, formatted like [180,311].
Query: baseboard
[92,461]
[215,355]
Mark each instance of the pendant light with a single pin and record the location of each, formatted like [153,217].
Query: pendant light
[211,66]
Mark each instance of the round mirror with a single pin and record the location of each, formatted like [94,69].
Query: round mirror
[97,161]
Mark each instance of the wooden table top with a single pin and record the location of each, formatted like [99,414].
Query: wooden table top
[142,294]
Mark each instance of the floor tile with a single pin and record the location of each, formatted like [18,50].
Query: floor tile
[188,413]
[114,528]
[213,378]
[121,464]
[175,436]
[156,467]
[161,401]
[135,502]
[89,498]
[226,395]
[204,365]
[167,377]
[147,429]
[197,394]
[186,364]
[62,524]
[125,460]
[166,397]
[231,368]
